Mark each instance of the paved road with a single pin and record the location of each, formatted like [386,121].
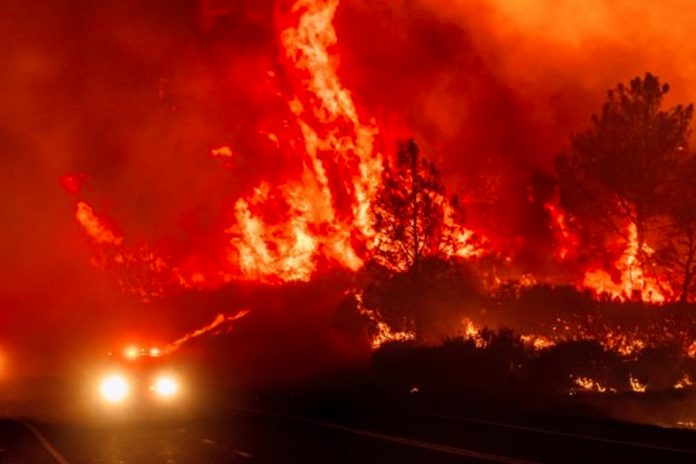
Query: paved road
[251,436]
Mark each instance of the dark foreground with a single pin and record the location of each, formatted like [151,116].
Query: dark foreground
[338,432]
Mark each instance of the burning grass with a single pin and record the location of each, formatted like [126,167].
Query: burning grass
[504,363]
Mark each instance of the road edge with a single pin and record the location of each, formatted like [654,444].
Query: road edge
[55,454]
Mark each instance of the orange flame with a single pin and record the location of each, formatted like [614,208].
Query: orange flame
[213,327]
[285,232]
[95,227]
[684,382]
[537,342]
[691,350]
[566,240]
[636,385]
[333,136]
[382,333]
[589,384]
[341,166]
[626,344]
[632,278]
[473,333]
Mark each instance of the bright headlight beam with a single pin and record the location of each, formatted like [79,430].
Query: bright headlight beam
[165,387]
[131,352]
[114,388]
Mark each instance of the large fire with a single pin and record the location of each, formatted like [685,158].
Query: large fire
[284,232]
[327,208]
[322,216]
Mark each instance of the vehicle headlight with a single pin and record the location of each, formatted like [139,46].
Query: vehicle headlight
[114,388]
[165,386]
[131,352]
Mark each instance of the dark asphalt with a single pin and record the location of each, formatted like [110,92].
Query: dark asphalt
[248,435]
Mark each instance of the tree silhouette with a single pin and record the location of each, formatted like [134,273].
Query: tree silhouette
[619,171]
[430,303]
[678,248]
[415,285]
[411,212]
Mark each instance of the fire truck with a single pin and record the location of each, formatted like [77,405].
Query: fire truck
[139,379]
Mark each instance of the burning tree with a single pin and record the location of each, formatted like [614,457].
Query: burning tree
[412,213]
[617,176]
[414,262]
[678,251]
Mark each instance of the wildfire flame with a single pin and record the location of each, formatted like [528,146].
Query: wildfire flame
[95,227]
[287,231]
[691,350]
[382,333]
[340,165]
[566,241]
[623,343]
[589,384]
[537,342]
[284,232]
[636,385]
[473,333]
[216,326]
[684,382]
[633,280]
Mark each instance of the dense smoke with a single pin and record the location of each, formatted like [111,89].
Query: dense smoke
[133,96]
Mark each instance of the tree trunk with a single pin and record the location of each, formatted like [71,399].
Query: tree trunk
[684,297]
[415,266]
[413,149]
[640,241]
[688,271]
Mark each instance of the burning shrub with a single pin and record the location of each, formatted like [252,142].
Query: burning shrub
[559,368]
[662,367]
[429,302]
[456,363]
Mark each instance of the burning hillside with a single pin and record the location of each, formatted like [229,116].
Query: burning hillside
[323,217]
[349,200]
[440,159]
[477,207]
